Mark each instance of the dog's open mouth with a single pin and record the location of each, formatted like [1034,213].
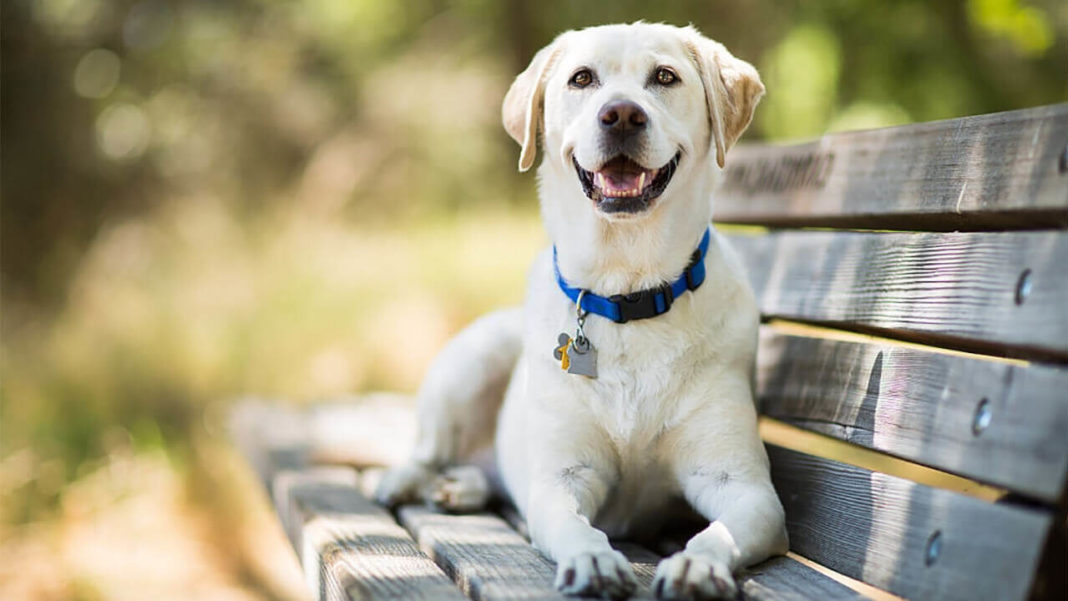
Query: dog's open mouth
[621,185]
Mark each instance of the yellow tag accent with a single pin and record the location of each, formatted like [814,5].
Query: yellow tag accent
[565,361]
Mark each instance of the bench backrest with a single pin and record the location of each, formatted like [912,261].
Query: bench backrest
[914,287]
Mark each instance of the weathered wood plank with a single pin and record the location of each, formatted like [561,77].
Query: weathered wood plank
[783,434]
[909,539]
[483,554]
[271,437]
[991,421]
[644,562]
[490,560]
[997,170]
[785,579]
[778,579]
[287,482]
[992,292]
[371,429]
[348,430]
[347,545]
[350,548]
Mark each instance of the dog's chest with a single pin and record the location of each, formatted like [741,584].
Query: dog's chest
[642,394]
[644,371]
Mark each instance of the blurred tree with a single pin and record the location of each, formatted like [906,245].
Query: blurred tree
[254,87]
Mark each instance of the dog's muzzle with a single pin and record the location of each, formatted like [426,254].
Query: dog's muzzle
[622,185]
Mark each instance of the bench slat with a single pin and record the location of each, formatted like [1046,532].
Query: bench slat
[777,579]
[487,558]
[991,421]
[271,437]
[947,289]
[994,170]
[909,539]
[786,579]
[491,561]
[351,548]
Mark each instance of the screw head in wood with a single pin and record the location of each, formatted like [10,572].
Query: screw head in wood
[982,417]
[1023,286]
[934,548]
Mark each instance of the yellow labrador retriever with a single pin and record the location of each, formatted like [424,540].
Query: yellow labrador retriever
[624,381]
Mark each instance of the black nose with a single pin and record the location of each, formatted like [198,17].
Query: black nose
[622,117]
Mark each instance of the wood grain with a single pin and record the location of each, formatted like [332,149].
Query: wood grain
[777,579]
[785,579]
[350,548]
[483,554]
[877,528]
[991,421]
[491,561]
[988,171]
[957,290]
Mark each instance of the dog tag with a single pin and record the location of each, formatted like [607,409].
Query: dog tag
[560,353]
[582,357]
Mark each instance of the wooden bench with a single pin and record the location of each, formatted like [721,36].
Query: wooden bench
[913,381]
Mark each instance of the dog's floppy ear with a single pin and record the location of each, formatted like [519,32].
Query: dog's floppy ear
[732,91]
[524,103]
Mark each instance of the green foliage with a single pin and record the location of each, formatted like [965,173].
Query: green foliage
[806,63]
[1027,27]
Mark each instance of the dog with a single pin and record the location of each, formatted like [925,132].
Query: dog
[624,382]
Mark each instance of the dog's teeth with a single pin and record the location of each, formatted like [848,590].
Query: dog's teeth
[599,180]
[641,180]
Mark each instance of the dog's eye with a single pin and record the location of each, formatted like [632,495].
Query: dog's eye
[665,76]
[581,78]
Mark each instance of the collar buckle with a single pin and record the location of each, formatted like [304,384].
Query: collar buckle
[643,304]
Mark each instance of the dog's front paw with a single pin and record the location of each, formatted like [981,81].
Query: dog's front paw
[687,577]
[604,574]
[403,484]
[462,488]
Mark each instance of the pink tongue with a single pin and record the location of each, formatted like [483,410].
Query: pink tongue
[621,181]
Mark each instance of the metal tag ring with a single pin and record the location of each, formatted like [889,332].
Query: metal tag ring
[580,314]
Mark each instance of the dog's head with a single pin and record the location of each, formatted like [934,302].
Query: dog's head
[626,106]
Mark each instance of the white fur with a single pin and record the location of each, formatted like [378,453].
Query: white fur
[671,413]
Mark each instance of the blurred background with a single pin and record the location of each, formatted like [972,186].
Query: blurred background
[302,200]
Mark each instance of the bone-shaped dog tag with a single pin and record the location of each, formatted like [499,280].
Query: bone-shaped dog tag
[560,353]
[583,358]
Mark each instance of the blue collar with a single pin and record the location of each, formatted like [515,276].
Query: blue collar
[643,304]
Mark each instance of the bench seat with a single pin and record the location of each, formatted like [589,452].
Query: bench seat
[912,381]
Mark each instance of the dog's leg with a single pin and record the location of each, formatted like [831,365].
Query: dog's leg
[458,405]
[747,520]
[748,528]
[565,496]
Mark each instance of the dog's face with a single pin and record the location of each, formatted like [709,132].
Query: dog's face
[624,107]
